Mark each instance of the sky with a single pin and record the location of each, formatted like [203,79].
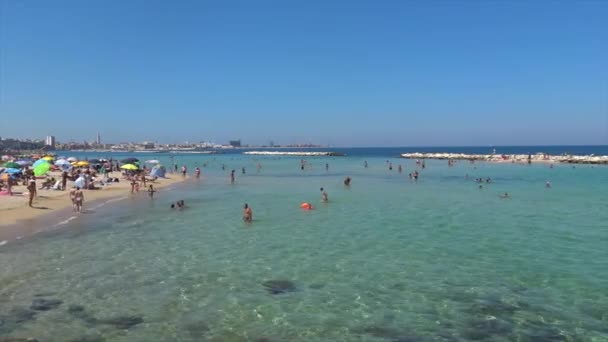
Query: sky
[338,73]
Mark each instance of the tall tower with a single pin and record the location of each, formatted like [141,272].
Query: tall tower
[98,139]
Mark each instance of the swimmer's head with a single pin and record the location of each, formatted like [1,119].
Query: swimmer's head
[321,189]
[172,205]
[246,206]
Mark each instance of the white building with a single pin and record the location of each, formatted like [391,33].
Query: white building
[50,141]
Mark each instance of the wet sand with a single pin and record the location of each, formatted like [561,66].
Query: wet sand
[17,219]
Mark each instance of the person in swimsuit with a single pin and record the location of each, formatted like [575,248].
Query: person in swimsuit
[197,172]
[31,187]
[247,213]
[73,198]
[324,196]
[347,181]
[151,191]
[78,199]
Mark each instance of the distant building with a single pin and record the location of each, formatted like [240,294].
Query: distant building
[50,141]
[235,143]
[148,145]
[98,141]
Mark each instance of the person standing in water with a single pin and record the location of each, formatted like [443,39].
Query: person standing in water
[232,177]
[78,199]
[151,191]
[197,172]
[184,170]
[326,166]
[324,196]
[365,164]
[347,181]
[247,213]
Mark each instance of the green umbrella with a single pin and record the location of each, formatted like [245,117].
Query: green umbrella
[12,165]
[41,169]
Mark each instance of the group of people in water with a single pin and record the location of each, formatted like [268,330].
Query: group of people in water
[248,211]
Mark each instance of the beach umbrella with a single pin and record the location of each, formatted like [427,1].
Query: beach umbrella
[60,162]
[11,171]
[6,157]
[12,165]
[24,162]
[129,160]
[129,167]
[65,167]
[41,169]
[153,161]
[82,163]
[39,162]
[48,158]
[72,159]
[94,161]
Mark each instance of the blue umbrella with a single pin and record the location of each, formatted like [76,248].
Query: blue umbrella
[10,171]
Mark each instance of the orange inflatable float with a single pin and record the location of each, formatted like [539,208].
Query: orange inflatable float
[306,206]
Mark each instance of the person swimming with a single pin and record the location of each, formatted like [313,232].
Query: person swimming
[548,184]
[505,195]
[347,181]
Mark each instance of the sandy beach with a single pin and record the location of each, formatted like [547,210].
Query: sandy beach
[16,215]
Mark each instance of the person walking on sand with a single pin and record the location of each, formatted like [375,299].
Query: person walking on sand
[31,187]
[247,213]
[64,180]
[133,184]
[78,199]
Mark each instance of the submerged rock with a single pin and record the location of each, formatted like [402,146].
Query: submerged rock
[197,329]
[45,294]
[20,315]
[78,311]
[493,306]
[481,329]
[279,286]
[41,304]
[88,339]
[122,322]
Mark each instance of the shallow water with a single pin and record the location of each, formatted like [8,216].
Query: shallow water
[387,259]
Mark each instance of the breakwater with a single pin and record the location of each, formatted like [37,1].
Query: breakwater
[512,158]
[294,153]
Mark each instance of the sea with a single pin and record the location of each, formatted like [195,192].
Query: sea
[388,258]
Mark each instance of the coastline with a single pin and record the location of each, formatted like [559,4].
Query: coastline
[52,207]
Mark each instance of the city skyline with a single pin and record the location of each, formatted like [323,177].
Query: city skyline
[339,73]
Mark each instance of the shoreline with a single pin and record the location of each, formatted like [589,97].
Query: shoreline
[512,158]
[53,208]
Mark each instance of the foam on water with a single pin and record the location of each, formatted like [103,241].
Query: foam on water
[386,259]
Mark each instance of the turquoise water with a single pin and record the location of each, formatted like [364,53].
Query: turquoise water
[387,259]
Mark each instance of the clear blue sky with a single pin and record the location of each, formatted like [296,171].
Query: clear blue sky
[345,73]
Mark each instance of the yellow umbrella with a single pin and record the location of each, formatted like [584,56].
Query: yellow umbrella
[49,158]
[129,167]
[82,163]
